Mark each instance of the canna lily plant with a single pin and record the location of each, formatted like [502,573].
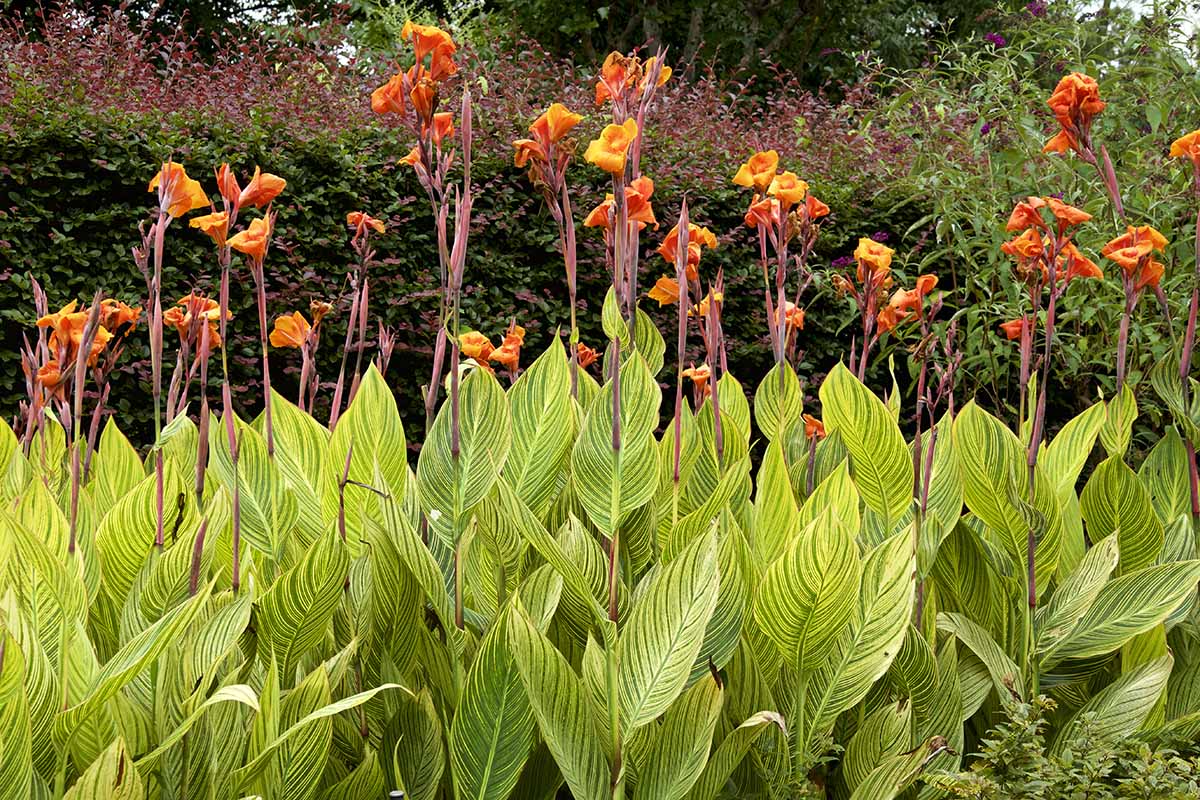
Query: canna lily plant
[566,597]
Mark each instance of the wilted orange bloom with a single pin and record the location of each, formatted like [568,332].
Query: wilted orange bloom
[815,208]
[509,351]
[390,98]
[758,171]
[215,225]
[443,126]
[1187,146]
[608,152]
[1076,264]
[427,39]
[874,255]
[413,157]
[555,123]
[181,194]
[813,427]
[361,220]
[614,76]
[227,184]
[1026,214]
[787,188]
[423,97]
[528,150]
[665,291]
[842,285]
[262,189]
[254,240]
[1149,275]
[697,237]
[586,355]
[474,344]
[1013,328]
[1067,215]
[699,376]
[1025,247]
[115,315]
[319,309]
[290,331]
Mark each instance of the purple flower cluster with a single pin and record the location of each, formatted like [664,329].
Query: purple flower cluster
[1036,8]
[995,39]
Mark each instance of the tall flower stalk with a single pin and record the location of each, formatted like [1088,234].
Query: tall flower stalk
[1188,146]
[360,242]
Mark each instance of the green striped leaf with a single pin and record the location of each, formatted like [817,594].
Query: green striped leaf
[729,754]
[665,631]
[560,708]
[542,429]
[16,734]
[1006,676]
[808,595]
[1065,457]
[268,507]
[295,612]
[1116,501]
[776,517]
[619,481]
[451,486]
[418,756]
[1165,475]
[301,447]
[112,776]
[677,756]
[1075,595]
[879,458]
[1126,606]
[1120,708]
[778,401]
[867,647]
[883,734]
[1117,431]
[116,467]
[898,772]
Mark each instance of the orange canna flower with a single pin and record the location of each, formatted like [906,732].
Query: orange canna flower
[1187,146]
[1061,142]
[50,377]
[254,240]
[361,220]
[390,98]
[1127,255]
[55,319]
[699,376]
[586,355]
[608,152]
[115,315]
[1075,98]
[424,97]
[701,308]
[764,211]
[290,331]
[474,344]
[1066,215]
[443,127]
[599,217]
[227,184]
[912,300]
[614,76]
[262,189]
[413,158]
[427,39]
[442,66]
[319,309]
[874,255]
[758,171]
[697,237]
[555,123]
[509,351]
[815,208]
[179,193]
[637,206]
[215,225]
[1149,275]
[528,150]
[1025,247]
[664,74]
[1026,214]
[813,427]
[787,188]
[1013,328]
[793,316]
[665,291]
[1076,264]
[889,317]
[1136,235]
